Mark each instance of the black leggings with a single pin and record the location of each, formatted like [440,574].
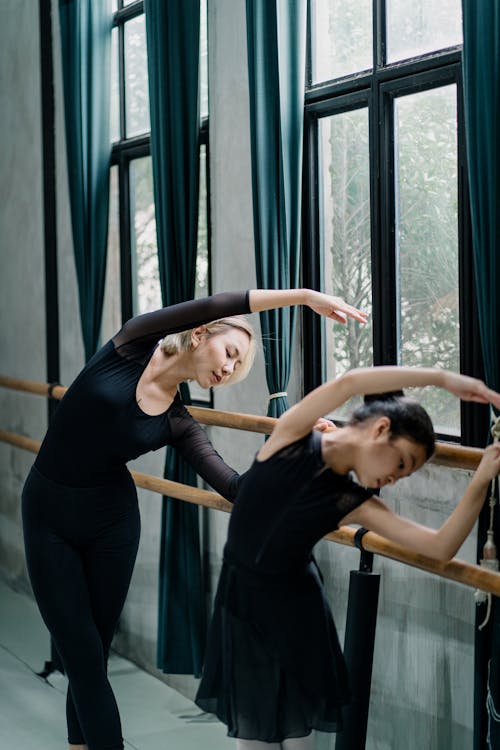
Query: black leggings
[81,545]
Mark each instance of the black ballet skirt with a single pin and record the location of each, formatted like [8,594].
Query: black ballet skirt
[274,667]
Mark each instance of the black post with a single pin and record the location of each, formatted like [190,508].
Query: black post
[358,648]
[50,228]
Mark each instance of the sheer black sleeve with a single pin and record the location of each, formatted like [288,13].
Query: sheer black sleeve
[192,442]
[143,331]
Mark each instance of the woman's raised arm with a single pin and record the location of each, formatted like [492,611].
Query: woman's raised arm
[323,304]
[300,419]
[442,543]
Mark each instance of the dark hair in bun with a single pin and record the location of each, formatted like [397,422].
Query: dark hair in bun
[408,418]
[368,398]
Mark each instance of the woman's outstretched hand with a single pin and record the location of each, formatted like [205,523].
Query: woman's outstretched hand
[333,307]
[489,465]
[470,389]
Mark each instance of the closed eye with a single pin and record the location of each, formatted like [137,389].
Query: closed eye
[232,355]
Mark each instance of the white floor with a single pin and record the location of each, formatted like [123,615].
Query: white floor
[32,710]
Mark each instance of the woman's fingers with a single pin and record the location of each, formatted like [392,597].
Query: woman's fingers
[352,312]
[335,308]
[469,389]
[324,425]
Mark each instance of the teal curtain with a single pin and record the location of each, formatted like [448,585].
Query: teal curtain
[173,33]
[85,51]
[276,40]
[481,64]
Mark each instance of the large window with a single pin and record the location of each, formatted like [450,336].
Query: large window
[133,284]
[132,180]
[386,209]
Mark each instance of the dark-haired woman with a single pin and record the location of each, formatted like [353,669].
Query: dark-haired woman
[274,670]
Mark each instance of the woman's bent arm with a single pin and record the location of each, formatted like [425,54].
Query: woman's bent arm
[299,419]
[323,304]
[443,543]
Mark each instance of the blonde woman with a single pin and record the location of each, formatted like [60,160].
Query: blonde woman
[80,513]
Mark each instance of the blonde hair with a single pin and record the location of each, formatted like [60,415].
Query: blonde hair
[182,342]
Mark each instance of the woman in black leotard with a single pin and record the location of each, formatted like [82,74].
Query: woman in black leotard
[80,514]
[274,670]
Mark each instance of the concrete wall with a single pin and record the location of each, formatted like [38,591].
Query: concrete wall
[422,682]
[22,298]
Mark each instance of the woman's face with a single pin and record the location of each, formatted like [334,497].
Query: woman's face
[216,357]
[382,459]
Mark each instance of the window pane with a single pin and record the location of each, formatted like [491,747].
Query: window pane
[420,26]
[345,235]
[202,264]
[115,96]
[427,240]
[341,40]
[111,316]
[146,274]
[136,78]
[203,60]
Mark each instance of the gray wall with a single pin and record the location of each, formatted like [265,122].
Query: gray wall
[422,681]
[22,298]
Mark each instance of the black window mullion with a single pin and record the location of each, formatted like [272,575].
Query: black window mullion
[385,277]
[474,417]
[379,34]
[125,237]
[312,266]
[121,79]
[309,46]
[205,141]
[375,224]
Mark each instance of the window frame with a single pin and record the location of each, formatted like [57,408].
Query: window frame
[376,90]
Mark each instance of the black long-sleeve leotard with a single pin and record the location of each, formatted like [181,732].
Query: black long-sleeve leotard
[99,426]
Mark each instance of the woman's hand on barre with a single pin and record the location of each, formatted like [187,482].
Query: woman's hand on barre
[324,425]
[489,466]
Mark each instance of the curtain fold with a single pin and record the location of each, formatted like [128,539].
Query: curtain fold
[276,41]
[481,66]
[86,57]
[172,33]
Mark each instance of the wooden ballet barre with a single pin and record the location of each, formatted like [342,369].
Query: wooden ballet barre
[179,491]
[454,570]
[32,386]
[447,454]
